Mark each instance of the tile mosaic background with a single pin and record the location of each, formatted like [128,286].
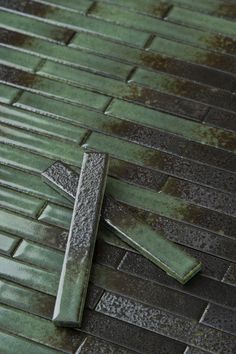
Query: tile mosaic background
[153,84]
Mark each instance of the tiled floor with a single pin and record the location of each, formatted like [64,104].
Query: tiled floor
[153,84]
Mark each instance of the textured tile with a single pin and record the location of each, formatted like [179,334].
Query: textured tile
[226,120]
[108,255]
[77,263]
[131,230]
[148,292]
[162,322]
[202,287]
[220,318]
[230,275]
[7,243]
[173,165]
[23,24]
[43,257]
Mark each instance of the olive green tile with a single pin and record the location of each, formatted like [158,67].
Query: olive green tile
[22,159]
[39,330]
[200,5]
[26,299]
[121,16]
[56,215]
[11,344]
[7,243]
[191,130]
[43,257]
[23,24]
[29,184]
[32,230]
[7,93]
[192,54]
[28,275]
[59,53]
[17,59]
[194,19]
[38,123]
[75,21]
[43,145]
[20,202]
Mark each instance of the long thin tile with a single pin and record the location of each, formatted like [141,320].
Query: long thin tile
[8,243]
[132,230]
[82,236]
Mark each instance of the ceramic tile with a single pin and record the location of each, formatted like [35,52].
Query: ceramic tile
[193,54]
[7,243]
[160,161]
[131,231]
[81,7]
[7,93]
[194,19]
[27,275]
[190,130]
[56,215]
[218,118]
[38,329]
[75,21]
[23,24]
[160,321]
[230,275]
[10,344]
[17,59]
[39,256]
[82,237]
[43,145]
[20,202]
[148,292]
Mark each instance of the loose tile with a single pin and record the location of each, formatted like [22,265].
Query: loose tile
[82,236]
[43,257]
[7,243]
[220,318]
[147,292]
[131,231]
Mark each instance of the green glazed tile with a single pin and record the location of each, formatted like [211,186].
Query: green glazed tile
[29,184]
[38,329]
[7,243]
[39,256]
[19,202]
[17,59]
[80,6]
[12,156]
[109,237]
[11,344]
[38,123]
[7,93]
[32,230]
[26,299]
[31,26]
[195,19]
[56,215]
[28,275]
[191,130]
[72,289]
[42,145]
[129,228]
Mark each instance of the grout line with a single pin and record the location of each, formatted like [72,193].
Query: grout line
[40,65]
[16,247]
[16,97]
[149,41]
[70,38]
[107,105]
[167,12]
[98,300]
[85,137]
[90,8]
[41,210]
[131,73]
[205,115]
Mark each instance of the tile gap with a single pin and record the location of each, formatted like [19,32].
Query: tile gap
[131,73]
[122,260]
[107,105]
[16,97]
[70,38]
[205,114]
[16,246]
[167,12]
[85,137]
[40,65]
[149,41]
[90,8]
[41,209]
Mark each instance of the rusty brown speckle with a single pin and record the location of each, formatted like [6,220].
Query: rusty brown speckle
[227,9]
[219,42]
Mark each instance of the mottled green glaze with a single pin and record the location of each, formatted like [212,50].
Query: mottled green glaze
[7,243]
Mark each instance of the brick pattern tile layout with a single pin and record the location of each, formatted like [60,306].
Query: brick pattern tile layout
[152,83]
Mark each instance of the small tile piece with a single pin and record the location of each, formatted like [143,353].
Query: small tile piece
[154,246]
[82,236]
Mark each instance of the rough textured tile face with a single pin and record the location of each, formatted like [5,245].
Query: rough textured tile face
[159,250]
[79,251]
